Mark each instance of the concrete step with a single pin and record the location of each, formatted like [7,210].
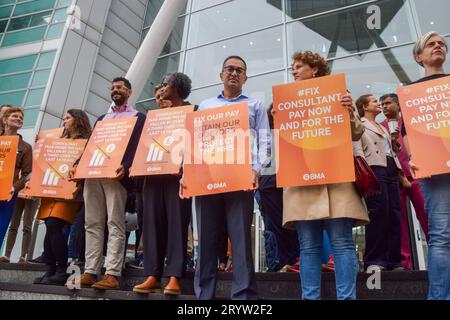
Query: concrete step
[18,278]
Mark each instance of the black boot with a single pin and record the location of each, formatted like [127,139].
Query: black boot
[51,270]
[59,278]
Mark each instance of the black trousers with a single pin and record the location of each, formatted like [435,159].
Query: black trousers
[383,233]
[55,243]
[282,246]
[165,220]
[235,211]
[79,245]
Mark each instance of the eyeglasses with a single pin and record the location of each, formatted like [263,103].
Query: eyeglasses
[118,86]
[230,70]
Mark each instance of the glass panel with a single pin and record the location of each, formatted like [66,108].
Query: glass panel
[344,32]
[40,78]
[33,6]
[24,36]
[30,117]
[14,98]
[163,66]
[14,82]
[297,9]
[46,59]
[30,21]
[3,24]
[378,72]
[17,64]
[64,3]
[5,12]
[55,31]
[231,19]
[263,51]
[200,4]
[35,97]
[175,40]
[60,15]
[3,2]
[152,10]
[433,19]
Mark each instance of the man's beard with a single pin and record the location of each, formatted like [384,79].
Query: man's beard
[119,101]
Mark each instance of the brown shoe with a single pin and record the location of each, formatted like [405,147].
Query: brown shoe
[109,282]
[151,285]
[4,260]
[173,287]
[87,280]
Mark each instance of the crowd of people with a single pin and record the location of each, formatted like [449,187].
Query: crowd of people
[301,223]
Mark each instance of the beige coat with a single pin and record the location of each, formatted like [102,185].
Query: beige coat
[373,145]
[325,201]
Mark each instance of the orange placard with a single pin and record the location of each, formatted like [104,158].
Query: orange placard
[160,149]
[51,133]
[8,155]
[426,114]
[51,170]
[314,142]
[217,151]
[105,149]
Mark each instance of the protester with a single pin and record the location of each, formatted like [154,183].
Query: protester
[334,207]
[430,52]
[12,121]
[58,213]
[384,207]
[105,200]
[411,189]
[166,216]
[233,209]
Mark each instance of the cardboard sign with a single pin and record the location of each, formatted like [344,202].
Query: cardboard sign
[8,155]
[314,144]
[217,155]
[426,114]
[105,149]
[51,170]
[51,133]
[160,149]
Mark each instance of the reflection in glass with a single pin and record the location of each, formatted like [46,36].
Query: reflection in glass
[46,59]
[35,97]
[378,72]
[230,19]
[14,82]
[24,36]
[433,18]
[14,98]
[344,32]
[263,52]
[163,66]
[302,8]
[17,64]
[30,21]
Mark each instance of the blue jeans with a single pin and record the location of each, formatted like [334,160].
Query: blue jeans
[310,235]
[437,205]
[6,212]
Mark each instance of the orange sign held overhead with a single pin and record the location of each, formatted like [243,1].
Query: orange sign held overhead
[105,149]
[51,170]
[8,155]
[314,144]
[217,155]
[160,149]
[426,114]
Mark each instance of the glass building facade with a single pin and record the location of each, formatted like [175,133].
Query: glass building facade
[23,79]
[370,41]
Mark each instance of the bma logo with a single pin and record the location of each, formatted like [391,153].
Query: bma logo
[374,20]
[313,176]
[214,186]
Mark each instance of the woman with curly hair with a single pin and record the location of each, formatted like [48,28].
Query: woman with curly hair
[336,208]
[166,217]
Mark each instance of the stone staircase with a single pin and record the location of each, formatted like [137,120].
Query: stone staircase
[16,284]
